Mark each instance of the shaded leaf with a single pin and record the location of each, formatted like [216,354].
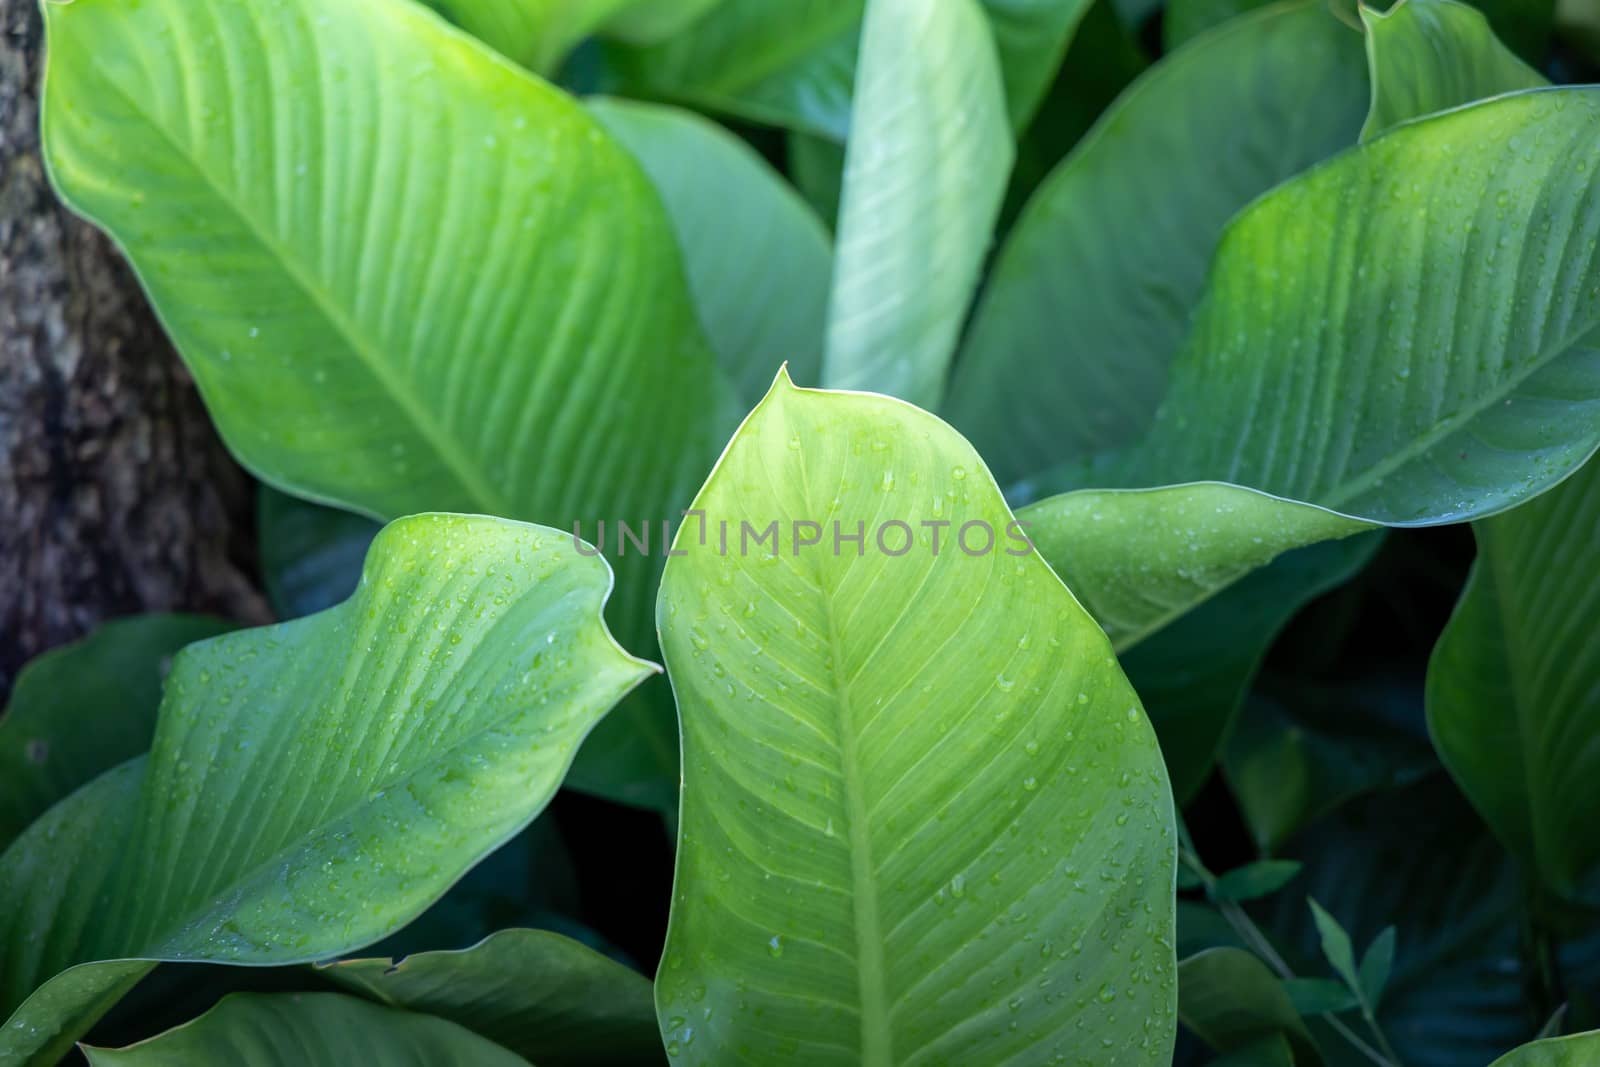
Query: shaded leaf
[757,257]
[1258,879]
[81,709]
[1092,293]
[310,554]
[920,196]
[544,996]
[1432,55]
[534,33]
[1336,948]
[1579,1050]
[1319,996]
[1184,20]
[1376,965]
[426,720]
[308,1030]
[860,802]
[1514,681]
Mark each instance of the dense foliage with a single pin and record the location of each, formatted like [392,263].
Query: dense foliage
[1110,715]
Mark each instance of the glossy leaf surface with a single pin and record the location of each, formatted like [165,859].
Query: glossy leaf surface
[921,803]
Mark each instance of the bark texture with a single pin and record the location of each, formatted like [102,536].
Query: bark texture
[116,496]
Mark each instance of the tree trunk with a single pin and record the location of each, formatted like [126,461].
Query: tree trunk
[116,496]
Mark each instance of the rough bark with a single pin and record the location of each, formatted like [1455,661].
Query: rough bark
[115,494]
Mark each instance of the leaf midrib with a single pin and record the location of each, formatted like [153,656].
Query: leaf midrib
[876,1037]
[444,444]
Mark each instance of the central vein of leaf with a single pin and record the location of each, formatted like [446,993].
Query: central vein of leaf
[875,1038]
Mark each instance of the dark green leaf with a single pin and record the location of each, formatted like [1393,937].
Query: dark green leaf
[1319,996]
[310,554]
[1376,965]
[1229,998]
[1336,947]
[1257,879]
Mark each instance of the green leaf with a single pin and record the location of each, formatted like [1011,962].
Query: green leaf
[649,21]
[313,786]
[1185,20]
[1579,1050]
[1336,946]
[1376,965]
[816,166]
[1437,360]
[429,281]
[783,62]
[921,194]
[1229,998]
[1432,55]
[758,259]
[1258,879]
[544,996]
[1140,559]
[310,554]
[1091,295]
[1513,681]
[887,756]
[534,33]
[1319,996]
[79,710]
[308,1030]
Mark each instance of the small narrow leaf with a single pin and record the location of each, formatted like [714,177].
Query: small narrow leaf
[1336,945]
[861,802]
[921,194]
[1375,967]
[1432,55]
[308,1030]
[1257,879]
[1319,996]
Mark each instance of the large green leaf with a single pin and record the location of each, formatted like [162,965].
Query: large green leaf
[921,194]
[1031,36]
[757,257]
[1514,683]
[80,710]
[314,785]
[1186,19]
[1432,55]
[309,1030]
[406,275]
[1437,358]
[1579,1050]
[535,33]
[1092,293]
[539,994]
[924,819]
